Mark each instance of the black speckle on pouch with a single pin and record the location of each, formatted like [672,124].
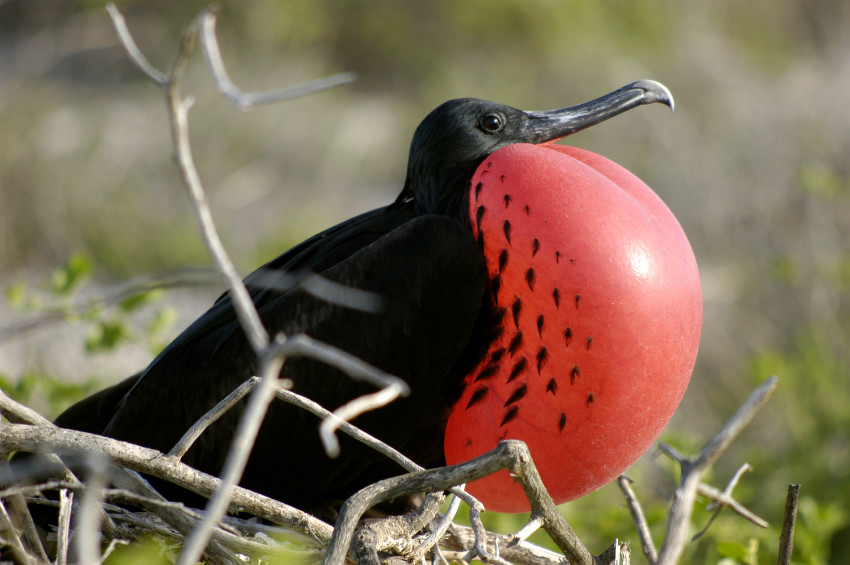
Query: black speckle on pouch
[529,278]
[516,341]
[477,396]
[542,356]
[515,310]
[517,395]
[568,336]
[517,369]
[510,414]
[575,373]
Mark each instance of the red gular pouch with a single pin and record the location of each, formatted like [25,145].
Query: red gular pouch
[603,311]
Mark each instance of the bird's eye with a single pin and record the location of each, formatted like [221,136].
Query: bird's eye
[491,122]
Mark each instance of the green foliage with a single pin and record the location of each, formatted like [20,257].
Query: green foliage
[137,318]
[70,276]
[146,551]
[54,393]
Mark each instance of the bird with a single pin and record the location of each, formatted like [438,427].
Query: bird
[444,318]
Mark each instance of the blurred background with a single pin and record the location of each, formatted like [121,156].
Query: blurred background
[755,163]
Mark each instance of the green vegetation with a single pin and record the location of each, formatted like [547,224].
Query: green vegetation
[753,163]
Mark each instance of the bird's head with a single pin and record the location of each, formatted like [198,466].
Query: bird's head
[459,134]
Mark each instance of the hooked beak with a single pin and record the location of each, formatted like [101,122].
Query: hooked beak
[551,125]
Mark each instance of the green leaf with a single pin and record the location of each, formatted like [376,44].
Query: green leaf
[136,301]
[70,276]
[106,335]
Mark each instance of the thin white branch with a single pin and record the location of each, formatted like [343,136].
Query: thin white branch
[237,458]
[179,120]
[330,291]
[87,533]
[244,100]
[132,49]
[349,411]
[63,536]
[348,428]
[367,439]
[534,524]
[302,345]
[63,312]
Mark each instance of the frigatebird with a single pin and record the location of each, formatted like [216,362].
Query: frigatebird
[439,320]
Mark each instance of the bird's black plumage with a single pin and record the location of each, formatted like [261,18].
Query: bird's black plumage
[417,253]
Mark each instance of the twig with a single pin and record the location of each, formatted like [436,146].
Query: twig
[185,443]
[365,438]
[352,409]
[20,511]
[302,345]
[679,517]
[646,544]
[786,539]
[511,454]
[240,449]
[16,412]
[462,537]
[724,498]
[19,437]
[434,537]
[87,534]
[132,49]
[244,100]
[15,544]
[534,524]
[66,502]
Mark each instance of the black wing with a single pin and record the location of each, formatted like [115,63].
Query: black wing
[432,276]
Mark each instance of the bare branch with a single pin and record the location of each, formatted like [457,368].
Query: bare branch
[302,345]
[87,535]
[19,515]
[132,49]
[434,537]
[646,544]
[244,100]
[19,437]
[786,539]
[679,517]
[66,502]
[534,524]
[214,413]
[510,454]
[240,449]
[15,544]
[350,410]
[724,498]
